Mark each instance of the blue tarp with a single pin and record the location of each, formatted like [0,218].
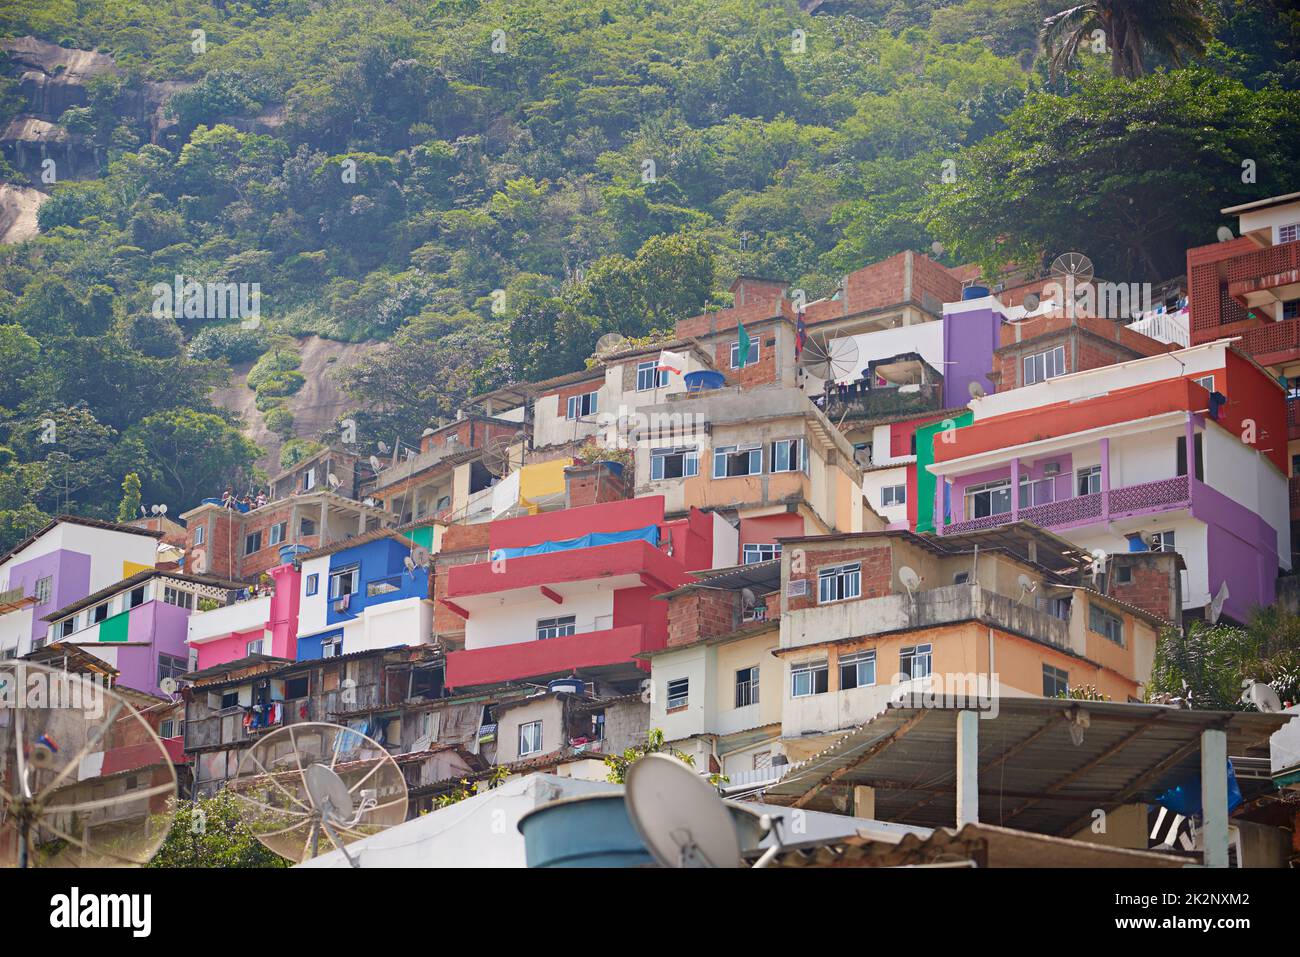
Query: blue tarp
[1185,797]
[649,533]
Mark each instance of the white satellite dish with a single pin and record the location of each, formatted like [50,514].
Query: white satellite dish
[1224,234]
[144,511]
[332,480]
[1261,695]
[383,447]
[976,390]
[410,565]
[167,685]
[610,342]
[57,807]
[428,431]
[162,509]
[312,779]
[1027,586]
[1217,602]
[420,556]
[910,579]
[1098,566]
[1031,301]
[375,464]
[679,817]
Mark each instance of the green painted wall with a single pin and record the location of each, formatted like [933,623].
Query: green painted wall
[115,628]
[924,457]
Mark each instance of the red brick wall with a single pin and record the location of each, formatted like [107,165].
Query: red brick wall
[1209,309]
[1154,585]
[877,571]
[702,613]
[760,372]
[591,485]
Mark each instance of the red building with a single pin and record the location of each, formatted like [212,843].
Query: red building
[566,592]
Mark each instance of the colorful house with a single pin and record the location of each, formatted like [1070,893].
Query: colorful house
[367,593]
[261,620]
[140,625]
[65,561]
[556,593]
[1181,451]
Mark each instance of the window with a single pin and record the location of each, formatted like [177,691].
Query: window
[789,455]
[331,647]
[892,495]
[556,627]
[1056,683]
[313,584]
[750,359]
[1123,574]
[747,687]
[278,532]
[170,728]
[383,586]
[530,738]
[914,662]
[99,613]
[1180,452]
[344,581]
[309,479]
[1162,541]
[254,647]
[65,627]
[1289,233]
[580,405]
[229,699]
[839,582]
[1205,382]
[1089,480]
[1037,491]
[1104,623]
[306,526]
[44,590]
[858,670]
[760,552]
[136,597]
[177,597]
[674,463]
[809,678]
[991,498]
[1044,365]
[200,534]
[252,543]
[733,460]
[647,378]
[171,666]
[961,578]
[679,692]
[297,687]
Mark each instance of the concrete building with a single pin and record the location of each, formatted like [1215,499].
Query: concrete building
[68,559]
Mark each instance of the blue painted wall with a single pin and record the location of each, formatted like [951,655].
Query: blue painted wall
[309,646]
[378,561]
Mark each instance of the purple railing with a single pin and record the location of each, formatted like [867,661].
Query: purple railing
[1085,509]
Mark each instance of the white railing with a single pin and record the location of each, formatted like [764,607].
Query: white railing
[1168,327]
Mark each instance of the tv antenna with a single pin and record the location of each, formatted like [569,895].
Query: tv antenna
[829,358]
[681,819]
[59,809]
[312,779]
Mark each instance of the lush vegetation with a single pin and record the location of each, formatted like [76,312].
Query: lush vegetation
[489,185]
[210,833]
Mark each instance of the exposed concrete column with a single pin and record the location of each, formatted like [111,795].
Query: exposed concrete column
[864,801]
[1015,489]
[324,519]
[938,504]
[1105,478]
[1214,796]
[968,755]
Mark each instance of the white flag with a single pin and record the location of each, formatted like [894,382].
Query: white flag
[671,362]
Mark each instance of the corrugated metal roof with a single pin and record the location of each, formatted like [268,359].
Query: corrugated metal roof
[1032,776]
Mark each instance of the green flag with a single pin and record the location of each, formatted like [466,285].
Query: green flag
[742,349]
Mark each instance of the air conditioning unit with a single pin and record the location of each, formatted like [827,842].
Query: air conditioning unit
[797,588]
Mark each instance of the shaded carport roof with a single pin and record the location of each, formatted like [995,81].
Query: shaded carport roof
[1031,775]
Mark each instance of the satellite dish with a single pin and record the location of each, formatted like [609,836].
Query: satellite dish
[1027,586]
[410,565]
[678,816]
[383,447]
[162,509]
[428,431]
[1217,602]
[59,807]
[936,247]
[1261,695]
[1031,301]
[910,579]
[496,456]
[830,358]
[168,685]
[420,555]
[1224,234]
[156,509]
[976,390]
[332,480]
[610,342]
[144,511]
[313,780]
[1098,565]
[375,464]
[748,598]
[1075,267]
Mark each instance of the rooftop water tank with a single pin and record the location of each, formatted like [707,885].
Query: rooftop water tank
[974,292]
[704,380]
[566,685]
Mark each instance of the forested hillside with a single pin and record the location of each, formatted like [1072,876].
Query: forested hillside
[486,187]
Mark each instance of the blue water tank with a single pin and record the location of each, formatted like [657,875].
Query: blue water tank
[289,552]
[974,292]
[704,380]
[566,685]
[592,830]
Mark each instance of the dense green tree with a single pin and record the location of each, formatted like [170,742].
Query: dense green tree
[1127,29]
[129,508]
[210,832]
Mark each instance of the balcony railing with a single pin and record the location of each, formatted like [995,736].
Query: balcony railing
[1281,336]
[1259,268]
[550,656]
[1089,509]
[884,401]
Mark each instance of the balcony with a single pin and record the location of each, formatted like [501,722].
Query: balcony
[1162,496]
[885,402]
[1263,271]
[552,657]
[931,608]
[243,616]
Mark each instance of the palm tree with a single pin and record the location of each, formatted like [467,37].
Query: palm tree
[1171,28]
